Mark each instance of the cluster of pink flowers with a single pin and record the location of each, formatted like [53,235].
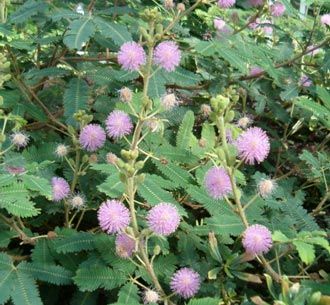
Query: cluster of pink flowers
[132,56]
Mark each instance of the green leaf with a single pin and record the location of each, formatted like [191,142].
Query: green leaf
[128,294]
[94,277]
[324,95]
[280,237]
[53,274]
[116,32]
[185,130]
[7,279]
[306,251]
[38,184]
[175,173]
[15,199]
[182,77]
[25,291]
[5,237]
[27,10]
[204,301]
[79,33]
[74,243]
[156,87]
[75,98]
[112,186]
[173,153]
[84,298]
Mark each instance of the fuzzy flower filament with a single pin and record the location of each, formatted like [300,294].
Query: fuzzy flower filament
[125,245]
[60,188]
[167,55]
[257,239]
[131,56]
[92,137]
[217,182]
[113,216]
[185,282]
[118,124]
[253,145]
[226,3]
[163,219]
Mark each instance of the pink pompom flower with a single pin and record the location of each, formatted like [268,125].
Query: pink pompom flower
[125,245]
[92,137]
[131,56]
[219,24]
[325,19]
[255,70]
[226,3]
[217,182]
[185,282]
[163,219]
[257,239]
[277,9]
[253,145]
[305,81]
[60,188]
[113,216]
[118,124]
[167,55]
[254,24]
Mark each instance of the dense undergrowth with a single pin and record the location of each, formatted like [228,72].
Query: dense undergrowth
[159,152]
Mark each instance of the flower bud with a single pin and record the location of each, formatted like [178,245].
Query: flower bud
[266,187]
[206,110]
[181,7]
[19,139]
[61,150]
[111,158]
[93,158]
[169,4]
[150,296]
[125,94]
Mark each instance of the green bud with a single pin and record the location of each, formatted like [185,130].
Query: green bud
[159,29]
[223,101]
[139,165]
[120,163]
[229,116]
[157,250]
[315,298]
[85,159]
[134,154]
[215,104]
[125,154]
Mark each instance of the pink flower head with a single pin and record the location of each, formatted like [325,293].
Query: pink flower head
[256,2]
[254,71]
[131,56]
[325,19]
[113,216]
[219,24]
[277,9]
[253,145]
[185,282]
[266,187]
[125,245]
[257,239]
[217,182]
[268,30]
[305,81]
[92,137]
[60,188]
[163,219]
[167,55]
[118,124]
[226,3]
